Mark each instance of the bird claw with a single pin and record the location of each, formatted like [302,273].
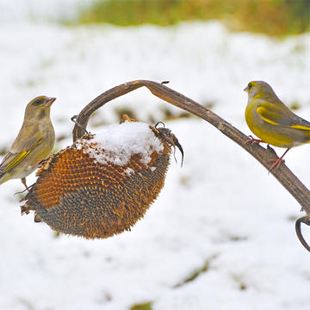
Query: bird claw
[276,163]
[252,140]
[25,184]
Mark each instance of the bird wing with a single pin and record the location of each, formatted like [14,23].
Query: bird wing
[12,158]
[280,115]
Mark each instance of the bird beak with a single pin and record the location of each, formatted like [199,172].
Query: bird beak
[49,101]
[246,89]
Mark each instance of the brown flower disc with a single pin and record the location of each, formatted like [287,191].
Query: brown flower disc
[79,195]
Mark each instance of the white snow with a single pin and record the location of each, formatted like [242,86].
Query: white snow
[221,206]
[130,171]
[118,143]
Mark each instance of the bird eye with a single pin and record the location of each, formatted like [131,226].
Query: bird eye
[37,102]
[250,86]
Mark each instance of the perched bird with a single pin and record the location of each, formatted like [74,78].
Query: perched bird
[33,143]
[272,121]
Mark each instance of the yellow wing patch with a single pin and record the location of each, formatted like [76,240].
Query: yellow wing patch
[17,158]
[300,127]
[275,116]
[263,112]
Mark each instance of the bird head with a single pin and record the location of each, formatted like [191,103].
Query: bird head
[260,90]
[39,107]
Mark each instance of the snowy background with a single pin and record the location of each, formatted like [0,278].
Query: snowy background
[220,212]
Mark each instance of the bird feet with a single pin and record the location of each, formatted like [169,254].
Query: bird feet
[276,163]
[252,140]
[24,182]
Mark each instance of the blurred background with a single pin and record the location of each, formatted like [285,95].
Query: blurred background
[221,234]
[272,17]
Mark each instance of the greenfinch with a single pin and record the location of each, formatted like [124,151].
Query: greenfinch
[272,121]
[33,143]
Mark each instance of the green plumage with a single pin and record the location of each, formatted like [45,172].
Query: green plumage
[33,143]
[272,121]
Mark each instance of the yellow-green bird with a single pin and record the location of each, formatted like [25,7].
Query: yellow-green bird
[33,143]
[272,121]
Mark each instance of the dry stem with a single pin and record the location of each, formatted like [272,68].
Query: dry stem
[283,174]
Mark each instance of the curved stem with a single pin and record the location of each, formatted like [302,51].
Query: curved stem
[305,220]
[283,174]
[82,119]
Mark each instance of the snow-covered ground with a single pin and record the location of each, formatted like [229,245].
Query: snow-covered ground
[222,207]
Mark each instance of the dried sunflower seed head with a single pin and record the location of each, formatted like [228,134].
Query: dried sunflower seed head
[102,184]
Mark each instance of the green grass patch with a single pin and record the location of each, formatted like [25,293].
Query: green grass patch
[196,273]
[273,17]
[143,306]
